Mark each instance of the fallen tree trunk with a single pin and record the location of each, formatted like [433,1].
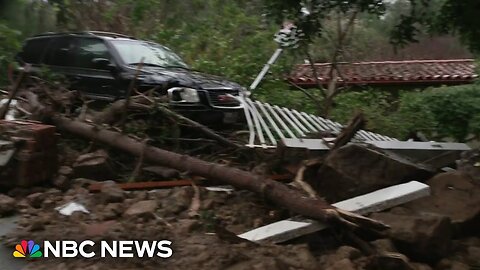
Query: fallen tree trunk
[274,191]
[116,109]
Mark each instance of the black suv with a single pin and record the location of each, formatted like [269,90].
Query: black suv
[102,65]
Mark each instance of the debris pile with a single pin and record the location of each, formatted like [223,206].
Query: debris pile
[135,170]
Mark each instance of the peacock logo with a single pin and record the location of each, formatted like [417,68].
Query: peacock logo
[27,249]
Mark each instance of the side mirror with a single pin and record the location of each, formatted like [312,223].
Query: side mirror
[104,63]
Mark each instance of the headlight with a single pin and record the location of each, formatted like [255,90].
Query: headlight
[183,94]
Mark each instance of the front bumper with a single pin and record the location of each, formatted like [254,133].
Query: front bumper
[216,99]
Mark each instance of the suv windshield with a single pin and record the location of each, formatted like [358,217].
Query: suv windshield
[153,54]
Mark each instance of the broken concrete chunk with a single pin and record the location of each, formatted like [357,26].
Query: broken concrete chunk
[142,208]
[353,170]
[384,246]
[71,208]
[385,198]
[93,166]
[35,200]
[433,154]
[454,195]
[422,237]
[7,205]
[392,261]
[111,193]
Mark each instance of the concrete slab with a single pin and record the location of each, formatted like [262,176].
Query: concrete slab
[310,144]
[379,200]
[431,146]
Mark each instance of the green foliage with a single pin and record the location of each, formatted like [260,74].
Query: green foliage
[232,41]
[28,17]
[310,16]
[456,110]
[440,113]
[462,16]
[439,16]
[9,45]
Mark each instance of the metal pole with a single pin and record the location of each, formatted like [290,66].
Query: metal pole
[265,69]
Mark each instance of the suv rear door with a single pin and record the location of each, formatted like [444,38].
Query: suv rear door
[73,57]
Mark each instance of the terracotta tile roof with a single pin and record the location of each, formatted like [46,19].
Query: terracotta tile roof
[390,72]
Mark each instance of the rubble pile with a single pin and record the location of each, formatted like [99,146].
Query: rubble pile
[144,177]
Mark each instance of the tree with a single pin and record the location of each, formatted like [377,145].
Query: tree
[441,16]
[408,19]
[311,19]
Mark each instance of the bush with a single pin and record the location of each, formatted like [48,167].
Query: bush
[440,113]
[9,45]
[455,110]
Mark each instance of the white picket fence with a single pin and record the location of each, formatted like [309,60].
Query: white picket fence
[269,123]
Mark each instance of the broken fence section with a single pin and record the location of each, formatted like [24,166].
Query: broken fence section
[269,123]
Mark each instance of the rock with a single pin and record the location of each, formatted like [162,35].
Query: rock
[163,172]
[65,170]
[447,264]
[453,195]
[36,225]
[355,170]
[48,204]
[303,258]
[469,164]
[178,201]
[7,205]
[421,266]
[473,256]
[112,211]
[348,252]
[141,195]
[35,200]
[98,229]
[344,264]
[159,194]
[111,193]
[142,208]
[62,182]
[341,259]
[78,216]
[84,182]
[93,166]
[383,246]
[390,261]
[186,226]
[424,238]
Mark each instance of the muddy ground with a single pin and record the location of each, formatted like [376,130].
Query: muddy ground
[205,238]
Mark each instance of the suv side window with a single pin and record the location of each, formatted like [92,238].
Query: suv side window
[60,52]
[87,50]
[33,50]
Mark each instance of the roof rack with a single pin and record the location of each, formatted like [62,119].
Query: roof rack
[110,34]
[100,33]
